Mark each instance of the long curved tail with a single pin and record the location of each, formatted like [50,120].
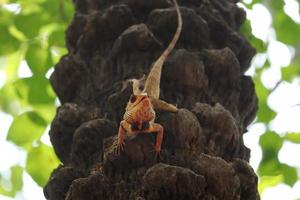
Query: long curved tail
[152,85]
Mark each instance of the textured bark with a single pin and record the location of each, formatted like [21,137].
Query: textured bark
[203,155]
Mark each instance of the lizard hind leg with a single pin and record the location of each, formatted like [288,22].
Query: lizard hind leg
[155,127]
[162,105]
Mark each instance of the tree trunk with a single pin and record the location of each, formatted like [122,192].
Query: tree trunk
[203,155]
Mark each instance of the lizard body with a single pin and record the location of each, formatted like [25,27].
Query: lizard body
[139,115]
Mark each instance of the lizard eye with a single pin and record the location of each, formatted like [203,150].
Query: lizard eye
[132,99]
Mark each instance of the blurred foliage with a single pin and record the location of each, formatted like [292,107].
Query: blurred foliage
[271,171]
[32,34]
[41,157]
[15,180]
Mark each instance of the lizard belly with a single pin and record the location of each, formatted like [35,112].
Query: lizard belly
[146,114]
[142,119]
[139,119]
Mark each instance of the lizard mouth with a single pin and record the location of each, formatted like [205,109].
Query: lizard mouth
[142,99]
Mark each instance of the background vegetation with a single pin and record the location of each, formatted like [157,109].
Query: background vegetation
[31,35]
[32,41]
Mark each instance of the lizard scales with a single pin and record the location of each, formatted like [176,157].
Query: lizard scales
[139,115]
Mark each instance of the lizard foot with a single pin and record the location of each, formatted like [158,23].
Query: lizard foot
[120,148]
[157,153]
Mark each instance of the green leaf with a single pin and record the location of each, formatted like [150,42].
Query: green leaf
[277,5]
[270,143]
[35,90]
[282,22]
[47,111]
[8,100]
[293,137]
[57,38]
[40,162]
[3,190]
[6,17]
[270,140]
[26,128]
[16,181]
[30,24]
[258,44]
[250,5]
[9,43]
[16,178]
[60,11]
[31,6]
[292,71]
[53,8]
[269,181]
[269,166]
[38,59]
[289,173]
[58,52]
[12,63]
[265,113]
[69,10]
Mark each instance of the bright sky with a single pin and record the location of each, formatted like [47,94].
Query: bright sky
[283,100]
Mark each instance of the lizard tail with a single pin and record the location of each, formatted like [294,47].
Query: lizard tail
[152,84]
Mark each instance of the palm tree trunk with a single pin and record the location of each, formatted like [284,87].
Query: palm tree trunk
[203,155]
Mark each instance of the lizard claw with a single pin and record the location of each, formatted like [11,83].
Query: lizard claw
[157,155]
[157,152]
[120,148]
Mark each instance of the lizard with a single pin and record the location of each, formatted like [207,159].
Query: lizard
[139,114]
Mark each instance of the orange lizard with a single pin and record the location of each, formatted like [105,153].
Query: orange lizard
[139,114]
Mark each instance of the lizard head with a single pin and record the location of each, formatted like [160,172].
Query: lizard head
[137,83]
[137,100]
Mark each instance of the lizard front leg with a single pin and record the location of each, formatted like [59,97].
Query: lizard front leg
[124,126]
